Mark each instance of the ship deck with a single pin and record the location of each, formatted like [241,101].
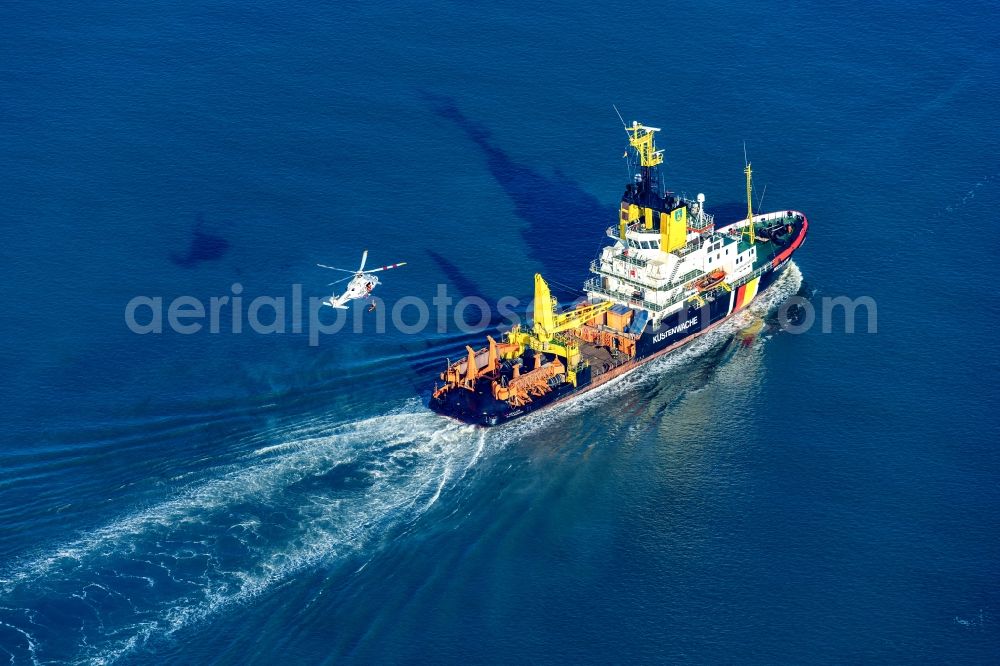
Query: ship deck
[600,358]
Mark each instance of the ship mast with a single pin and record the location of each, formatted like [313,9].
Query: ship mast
[749,230]
[641,138]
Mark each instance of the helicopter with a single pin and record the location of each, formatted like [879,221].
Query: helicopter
[361,283]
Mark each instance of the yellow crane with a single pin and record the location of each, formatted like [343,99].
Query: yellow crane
[547,325]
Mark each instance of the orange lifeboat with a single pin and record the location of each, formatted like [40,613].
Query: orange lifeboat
[711,281]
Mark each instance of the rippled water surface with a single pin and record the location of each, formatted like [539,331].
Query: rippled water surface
[757,497]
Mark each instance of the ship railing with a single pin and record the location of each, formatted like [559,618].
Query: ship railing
[635,261]
[689,248]
[702,222]
[757,272]
[695,222]
[595,267]
[637,227]
[612,232]
[629,259]
[690,276]
[774,216]
[593,285]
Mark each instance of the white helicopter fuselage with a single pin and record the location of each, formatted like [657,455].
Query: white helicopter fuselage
[360,286]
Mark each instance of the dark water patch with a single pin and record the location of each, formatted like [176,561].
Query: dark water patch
[458,278]
[467,288]
[203,246]
[551,205]
[428,356]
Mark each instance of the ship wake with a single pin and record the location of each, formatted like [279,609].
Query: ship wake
[287,506]
[301,499]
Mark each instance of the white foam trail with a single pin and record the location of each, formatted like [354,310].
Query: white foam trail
[31,644]
[237,482]
[480,447]
[404,459]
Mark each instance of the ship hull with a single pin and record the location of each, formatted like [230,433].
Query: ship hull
[479,407]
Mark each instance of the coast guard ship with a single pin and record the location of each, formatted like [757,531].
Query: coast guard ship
[671,275]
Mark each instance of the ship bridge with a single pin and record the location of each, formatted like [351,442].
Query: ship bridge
[667,249]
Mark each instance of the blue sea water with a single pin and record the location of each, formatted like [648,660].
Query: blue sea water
[760,497]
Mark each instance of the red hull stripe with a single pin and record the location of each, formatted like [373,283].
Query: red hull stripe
[795,244]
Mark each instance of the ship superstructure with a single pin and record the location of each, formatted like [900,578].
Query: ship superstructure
[670,274]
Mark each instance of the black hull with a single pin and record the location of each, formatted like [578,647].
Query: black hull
[479,407]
